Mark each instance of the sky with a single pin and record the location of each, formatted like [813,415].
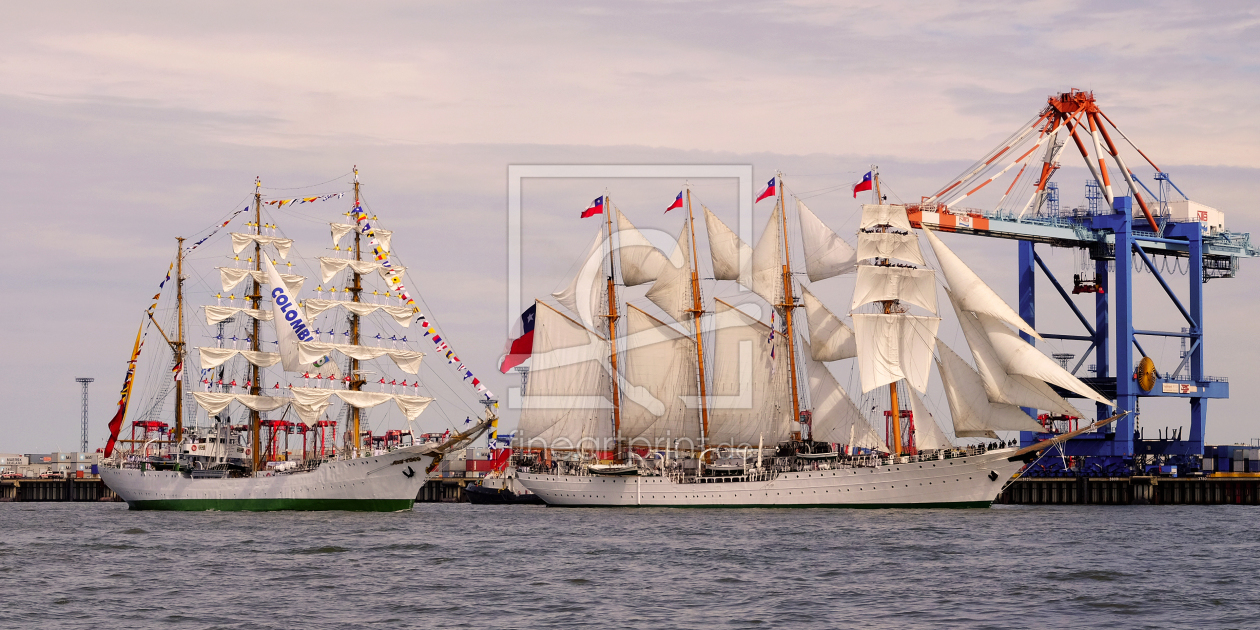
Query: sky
[129,124]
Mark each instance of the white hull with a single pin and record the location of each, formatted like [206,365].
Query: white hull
[972,481]
[388,482]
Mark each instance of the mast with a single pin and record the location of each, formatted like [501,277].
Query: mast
[788,304]
[696,311]
[255,423]
[179,341]
[356,286]
[612,326]
[889,309]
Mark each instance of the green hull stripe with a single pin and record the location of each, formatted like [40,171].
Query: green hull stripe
[853,506]
[273,505]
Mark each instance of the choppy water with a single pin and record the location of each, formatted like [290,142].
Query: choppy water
[458,565]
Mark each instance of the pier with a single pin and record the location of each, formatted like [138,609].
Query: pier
[92,489]
[1212,490]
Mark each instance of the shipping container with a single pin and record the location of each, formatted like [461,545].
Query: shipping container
[1238,465]
[1209,464]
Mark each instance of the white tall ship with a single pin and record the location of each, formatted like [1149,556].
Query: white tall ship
[721,406]
[291,367]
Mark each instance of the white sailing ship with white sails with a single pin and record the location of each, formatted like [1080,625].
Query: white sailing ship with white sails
[215,465]
[715,406]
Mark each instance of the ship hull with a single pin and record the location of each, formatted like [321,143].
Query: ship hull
[380,483]
[963,482]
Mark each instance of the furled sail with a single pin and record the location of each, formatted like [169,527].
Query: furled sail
[214,357]
[729,252]
[884,214]
[836,418]
[1001,386]
[662,363]
[829,338]
[401,314]
[241,241]
[889,245]
[826,255]
[928,435]
[216,314]
[567,403]
[894,346]
[339,230]
[878,283]
[750,399]
[767,263]
[1020,357]
[310,352]
[330,267]
[672,289]
[971,292]
[585,293]
[640,260]
[973,414]
[232,276]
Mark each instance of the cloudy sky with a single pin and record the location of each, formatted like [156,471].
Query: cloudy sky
[125,126]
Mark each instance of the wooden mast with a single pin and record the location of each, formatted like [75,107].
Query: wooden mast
[356,287]
[697,309]
[612,327]
[890,309]
[255,426]
[179,341]
[789,303]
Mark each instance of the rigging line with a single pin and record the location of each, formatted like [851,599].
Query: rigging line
[311,185]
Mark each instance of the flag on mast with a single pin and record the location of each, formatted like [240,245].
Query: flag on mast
[596,207]
[522,347]
[865,184]
[768,191]
[678,203]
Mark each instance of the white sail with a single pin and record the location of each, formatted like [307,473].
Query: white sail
[412,406]
[311,352]
[879,283]
[567,403]
[214,357]
[1001,386]
[401,314]
[884,214]
[330,267]
[585,294]
[889,245]
[1020,357]
[216,314]
[231,276]
[894,346]
[829,338]
[928,435]
[973,414]
[750,398]
[767,263]
[339,230]
[971,292]
[732,258]
[290,321]
[662,362]
[826,255]
[672,289]
[836,418]
[640,260]
[241,241]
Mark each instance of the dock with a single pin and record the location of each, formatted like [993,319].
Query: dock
[72,489]
[1213,490]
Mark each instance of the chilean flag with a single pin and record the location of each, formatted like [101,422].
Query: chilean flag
[596,207]
[768,191]
[865,184]
[522,347]
[677,203]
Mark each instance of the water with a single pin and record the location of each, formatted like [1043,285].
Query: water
[460,565]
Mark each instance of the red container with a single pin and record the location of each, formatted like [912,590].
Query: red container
[479,465]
